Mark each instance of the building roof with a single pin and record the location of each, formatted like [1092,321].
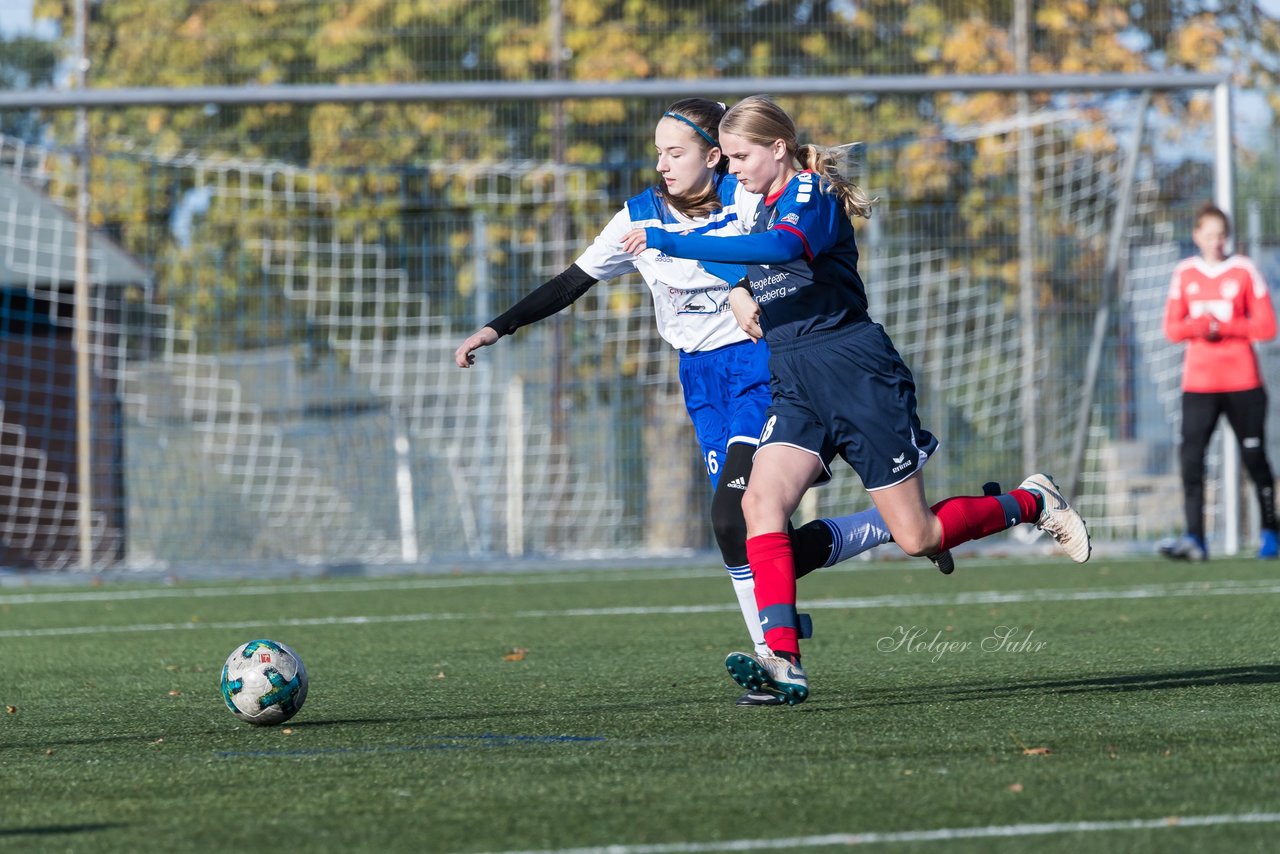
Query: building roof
[38,243]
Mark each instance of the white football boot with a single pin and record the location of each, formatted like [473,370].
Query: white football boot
[770,673]
[1059,520]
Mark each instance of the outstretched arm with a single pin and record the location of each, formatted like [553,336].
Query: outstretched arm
[554,295]
[768,247]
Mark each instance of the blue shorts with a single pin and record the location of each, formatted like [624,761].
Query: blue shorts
[726,391]
[848,392]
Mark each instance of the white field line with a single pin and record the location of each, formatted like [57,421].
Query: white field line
[1222,586]
[977,597]
[981,597]
[297,588]
[944,834]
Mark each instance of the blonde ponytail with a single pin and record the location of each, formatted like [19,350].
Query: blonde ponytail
[826,163]
[759,120]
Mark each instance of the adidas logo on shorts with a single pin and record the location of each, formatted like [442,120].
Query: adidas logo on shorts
[737,483]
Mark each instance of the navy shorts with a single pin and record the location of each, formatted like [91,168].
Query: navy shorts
[726,392]
[849,393]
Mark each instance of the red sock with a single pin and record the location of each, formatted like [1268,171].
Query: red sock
[966,518]
[774,569]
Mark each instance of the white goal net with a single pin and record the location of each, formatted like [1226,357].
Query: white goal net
[273,373]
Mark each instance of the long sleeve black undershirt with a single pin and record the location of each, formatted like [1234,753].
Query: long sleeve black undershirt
[553,295]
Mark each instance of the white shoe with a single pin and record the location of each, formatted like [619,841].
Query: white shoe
[769,673]
[761,698]
[1059,520]
[1185,547]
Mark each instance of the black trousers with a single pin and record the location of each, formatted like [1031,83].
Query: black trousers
[1246,412]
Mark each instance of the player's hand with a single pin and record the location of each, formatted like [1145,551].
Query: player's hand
[635,241]
[747,312]
[464,356]
[1205,327]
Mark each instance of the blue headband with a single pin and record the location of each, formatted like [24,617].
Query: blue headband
[702,133]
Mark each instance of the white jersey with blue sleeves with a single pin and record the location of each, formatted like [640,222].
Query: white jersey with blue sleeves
[690,298]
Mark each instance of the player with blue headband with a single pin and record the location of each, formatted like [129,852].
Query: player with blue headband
[725,375]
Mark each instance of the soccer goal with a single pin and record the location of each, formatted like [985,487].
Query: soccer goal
[271,340]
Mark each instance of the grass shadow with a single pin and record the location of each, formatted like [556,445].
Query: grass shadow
[1260,674]
[57,829]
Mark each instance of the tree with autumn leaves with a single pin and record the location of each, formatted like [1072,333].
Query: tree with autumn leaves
[206,42]
[356,152]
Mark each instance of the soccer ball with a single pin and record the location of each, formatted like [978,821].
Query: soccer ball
[264,682]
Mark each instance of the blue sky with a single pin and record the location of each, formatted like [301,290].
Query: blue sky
[15,17]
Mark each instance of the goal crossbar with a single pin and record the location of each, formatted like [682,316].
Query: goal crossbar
[552,90]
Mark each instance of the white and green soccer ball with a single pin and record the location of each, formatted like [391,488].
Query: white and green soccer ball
[264,682]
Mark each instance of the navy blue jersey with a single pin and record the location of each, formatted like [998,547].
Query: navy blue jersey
[820,291]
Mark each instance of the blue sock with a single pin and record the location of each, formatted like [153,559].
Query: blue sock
[853,535]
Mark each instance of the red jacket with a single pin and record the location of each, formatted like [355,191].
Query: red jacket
[1220,309]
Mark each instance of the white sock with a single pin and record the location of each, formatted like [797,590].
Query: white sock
[744,584]
[853,535]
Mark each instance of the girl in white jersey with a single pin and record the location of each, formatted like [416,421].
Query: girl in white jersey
[725,376]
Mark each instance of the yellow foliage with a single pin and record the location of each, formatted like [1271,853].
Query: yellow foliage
[1072,63]
[612,54]
[622,302]
[977,107]
[1009,271]
[1104,54]
[192,27]
[923,19]
[1095,137]
[597,111]
[1077,10]
[815,44]
[584,152]
[977,47]
[761,51]
[1111,18]
[923,168]
[1200,109]
[1053,19]
[583,13]
[1199,44]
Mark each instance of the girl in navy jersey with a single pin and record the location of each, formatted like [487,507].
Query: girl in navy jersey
[839,386]
[724,376]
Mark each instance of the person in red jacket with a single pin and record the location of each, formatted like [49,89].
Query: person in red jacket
[1219,305]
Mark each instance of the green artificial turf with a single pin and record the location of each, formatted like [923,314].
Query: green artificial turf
[572,710]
